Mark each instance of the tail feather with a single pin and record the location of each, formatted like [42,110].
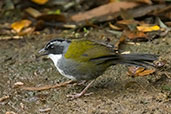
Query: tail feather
[130,59]
[138,59]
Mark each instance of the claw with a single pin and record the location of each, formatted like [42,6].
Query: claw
[77,95]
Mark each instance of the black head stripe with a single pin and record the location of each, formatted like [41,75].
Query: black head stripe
[56,40]
[57,46]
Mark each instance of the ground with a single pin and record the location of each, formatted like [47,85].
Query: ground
[112,93]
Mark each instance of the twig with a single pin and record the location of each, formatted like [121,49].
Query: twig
[46,87]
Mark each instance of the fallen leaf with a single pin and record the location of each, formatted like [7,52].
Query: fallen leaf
[135,35]
[146,72]
[19,25]
[40,2]
[139,71]
[146,28]
[114,27]
[106,9]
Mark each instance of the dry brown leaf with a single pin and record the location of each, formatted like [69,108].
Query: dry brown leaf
[146,28]
[40,2]
[106,9]
[139,71]
[114,27]
[146,72]
[135,35]
[19,25]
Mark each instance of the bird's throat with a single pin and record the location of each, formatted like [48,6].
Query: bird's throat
[55,58]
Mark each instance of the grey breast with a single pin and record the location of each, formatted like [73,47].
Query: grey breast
[73,68]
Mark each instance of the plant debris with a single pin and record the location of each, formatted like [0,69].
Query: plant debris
[139,71]
[4,98]
[46,87]
[103,10]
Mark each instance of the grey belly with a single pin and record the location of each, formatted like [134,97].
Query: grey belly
[79,70]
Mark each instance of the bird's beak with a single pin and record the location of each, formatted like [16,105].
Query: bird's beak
[43,52]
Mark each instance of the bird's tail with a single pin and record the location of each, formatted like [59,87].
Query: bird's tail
[137,59]
[130,59]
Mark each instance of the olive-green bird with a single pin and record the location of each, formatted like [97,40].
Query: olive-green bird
[86,60]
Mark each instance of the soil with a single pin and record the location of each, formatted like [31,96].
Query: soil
[112,93]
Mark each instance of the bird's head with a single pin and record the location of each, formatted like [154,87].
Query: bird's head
[55,47]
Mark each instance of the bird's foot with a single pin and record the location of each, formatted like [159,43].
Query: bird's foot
[82,92]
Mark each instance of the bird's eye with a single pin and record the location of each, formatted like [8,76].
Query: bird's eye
[52,46]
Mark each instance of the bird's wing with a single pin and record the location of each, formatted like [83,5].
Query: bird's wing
[85,50]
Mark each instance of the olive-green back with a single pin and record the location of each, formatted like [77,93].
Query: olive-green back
[83,50]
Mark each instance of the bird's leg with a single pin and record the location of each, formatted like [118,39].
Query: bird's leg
[77,95]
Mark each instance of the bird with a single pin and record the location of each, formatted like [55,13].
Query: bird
[85,60]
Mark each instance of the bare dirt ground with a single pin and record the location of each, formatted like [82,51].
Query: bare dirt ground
[113,93]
